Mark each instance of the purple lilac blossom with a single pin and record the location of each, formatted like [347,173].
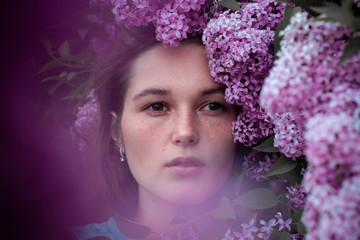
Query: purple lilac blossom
[255,168]
[307,67]
[297,196]
[240,53]
[289,137]
[134,12]
[87,121]
[177,19]
[332,151]
[282,223]
[87,116]
[334,214]
[267,228]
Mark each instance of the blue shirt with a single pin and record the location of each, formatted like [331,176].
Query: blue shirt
[107,229]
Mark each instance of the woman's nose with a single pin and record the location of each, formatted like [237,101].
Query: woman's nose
[185,129]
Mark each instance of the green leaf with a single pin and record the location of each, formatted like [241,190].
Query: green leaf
[267,145]
[231,4]
[64,49]
[51,78]
[51,65]
[351,49]
[288,13]
[283,1]
[238,183]
[71,75]
[82,33]
[48,45]
[225,210]
[77,92]
[296,217]
[132,229]
[276,235]
[300,227]
[261,198]
[343,14]
[282,165]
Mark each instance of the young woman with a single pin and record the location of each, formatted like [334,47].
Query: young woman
[166,140]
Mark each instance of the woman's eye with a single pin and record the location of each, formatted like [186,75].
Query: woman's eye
[156,107]
[214,106]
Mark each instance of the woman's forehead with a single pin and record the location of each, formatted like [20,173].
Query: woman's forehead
[184,67]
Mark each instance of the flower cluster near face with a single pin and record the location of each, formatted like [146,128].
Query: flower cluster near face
[87,120]
[315,105]
[173,20]
[257,164]
[250,231]
[239,47]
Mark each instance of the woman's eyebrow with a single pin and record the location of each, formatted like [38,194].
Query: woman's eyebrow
[151,91]
[210,91]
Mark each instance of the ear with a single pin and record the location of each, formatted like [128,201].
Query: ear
[116,130]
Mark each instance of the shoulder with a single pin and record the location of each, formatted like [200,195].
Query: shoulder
[99,231]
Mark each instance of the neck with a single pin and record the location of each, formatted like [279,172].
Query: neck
[156,213]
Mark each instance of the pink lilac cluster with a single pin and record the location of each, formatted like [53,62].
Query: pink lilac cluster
[332,214]
[307,70]
[251,232]
[333,150]
[87,120]
[324,101]
[333,177]
[178,19]
[239,46]
[289,137]
[297,196]
[257,164]
[173,20]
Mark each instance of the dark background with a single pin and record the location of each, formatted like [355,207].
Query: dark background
[40,172]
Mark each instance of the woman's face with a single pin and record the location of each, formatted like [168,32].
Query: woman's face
[176,126]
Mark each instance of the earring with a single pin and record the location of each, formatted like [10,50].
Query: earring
[122,157]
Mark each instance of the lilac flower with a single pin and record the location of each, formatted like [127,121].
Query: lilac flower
[333,150]
[296,236]
[334,214]
[257,164]
[171,26]
[248,230]
[288,136]
[307,71]
[239,47]
[283,224]
[267,228]
[296,196]
[228,235]
[87,121]
[87,117]
[134,12]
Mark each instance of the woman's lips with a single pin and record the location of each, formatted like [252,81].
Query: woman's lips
[186,166]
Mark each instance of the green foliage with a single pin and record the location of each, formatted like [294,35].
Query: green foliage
[282,235]
[231,4]
[282,165]
[351,49]
[288,13]
[225,210]
[267,145]
[261,198]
